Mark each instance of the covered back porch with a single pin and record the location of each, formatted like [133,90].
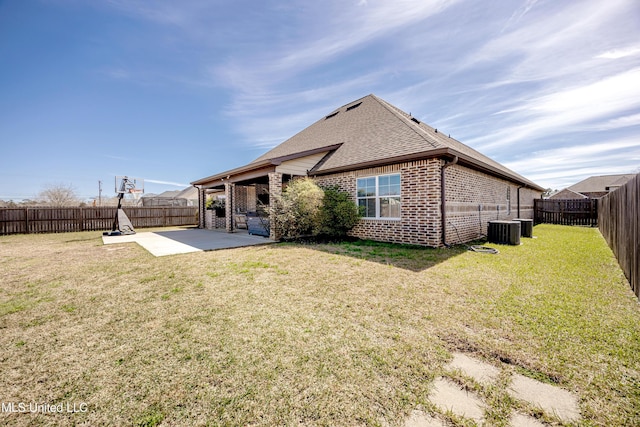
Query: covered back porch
[246,201]
[249,190]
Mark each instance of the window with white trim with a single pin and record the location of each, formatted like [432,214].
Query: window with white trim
[379,196]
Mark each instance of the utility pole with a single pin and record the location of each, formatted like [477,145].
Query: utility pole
[99,193]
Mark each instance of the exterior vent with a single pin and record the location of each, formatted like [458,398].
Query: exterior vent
[354,106]
[332,115]
[413,119]
[504,232]
[526,227]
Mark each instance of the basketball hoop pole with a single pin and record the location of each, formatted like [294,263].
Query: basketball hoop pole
[115,229]
[120,196]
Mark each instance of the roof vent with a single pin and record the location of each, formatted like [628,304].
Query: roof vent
[413,119]
[354,106]
[331,115]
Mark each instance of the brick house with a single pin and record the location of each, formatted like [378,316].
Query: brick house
[416,184]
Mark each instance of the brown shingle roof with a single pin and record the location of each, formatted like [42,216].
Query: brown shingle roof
[567,194]
[376,132]
[371,132]
[601,183]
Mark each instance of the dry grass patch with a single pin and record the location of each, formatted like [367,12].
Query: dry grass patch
[344,334]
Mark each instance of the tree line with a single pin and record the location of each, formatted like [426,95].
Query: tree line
[63,195]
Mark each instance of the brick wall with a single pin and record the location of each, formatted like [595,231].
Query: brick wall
[420,200]
[239,198]
[474,198]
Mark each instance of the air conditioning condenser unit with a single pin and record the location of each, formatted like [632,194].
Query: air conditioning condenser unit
[504,232]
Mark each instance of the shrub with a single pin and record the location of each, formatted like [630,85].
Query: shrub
[338,213]
[296,211]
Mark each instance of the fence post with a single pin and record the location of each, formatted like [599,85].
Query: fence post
[26,220]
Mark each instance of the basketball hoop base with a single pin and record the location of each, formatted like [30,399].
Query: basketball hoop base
[122,225]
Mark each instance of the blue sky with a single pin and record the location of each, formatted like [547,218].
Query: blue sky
[172,91]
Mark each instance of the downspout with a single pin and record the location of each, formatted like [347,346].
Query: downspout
[443,206]
[522,186]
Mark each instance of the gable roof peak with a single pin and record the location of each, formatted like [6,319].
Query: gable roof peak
[371,131]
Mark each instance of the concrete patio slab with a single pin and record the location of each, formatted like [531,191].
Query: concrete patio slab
[172,242]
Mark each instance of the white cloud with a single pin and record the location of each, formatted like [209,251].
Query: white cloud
[620,53]
[572,109]
[340,29]
[553,47]
[561,167]
[620,122]
[157,181]
[519,14]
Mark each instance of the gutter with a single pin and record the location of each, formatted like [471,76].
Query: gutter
[241,169]
[443,207]
[429,154]
[262,164]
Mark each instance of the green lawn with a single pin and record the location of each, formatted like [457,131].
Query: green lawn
[289,334]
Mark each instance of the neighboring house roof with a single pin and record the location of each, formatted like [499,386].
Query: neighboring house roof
[190,193]
[187,193]
[371,132]
[185,197]
[567,194]
[602,183]
[168,194]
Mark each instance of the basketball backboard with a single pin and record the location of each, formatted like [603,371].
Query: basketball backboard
[129,185]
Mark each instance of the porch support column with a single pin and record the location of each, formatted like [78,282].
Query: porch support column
[275,190]
[202,205]
[229,192]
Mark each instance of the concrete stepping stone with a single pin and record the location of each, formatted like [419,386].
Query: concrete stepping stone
[449,396]
[478,370]
[420,419]
[520,420]
[552,399]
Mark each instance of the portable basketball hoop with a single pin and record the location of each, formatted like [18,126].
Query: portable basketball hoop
[128,185]
[125,185]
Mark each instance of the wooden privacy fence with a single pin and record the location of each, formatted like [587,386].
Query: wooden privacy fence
[59,220]
[619,213]
[566,212]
